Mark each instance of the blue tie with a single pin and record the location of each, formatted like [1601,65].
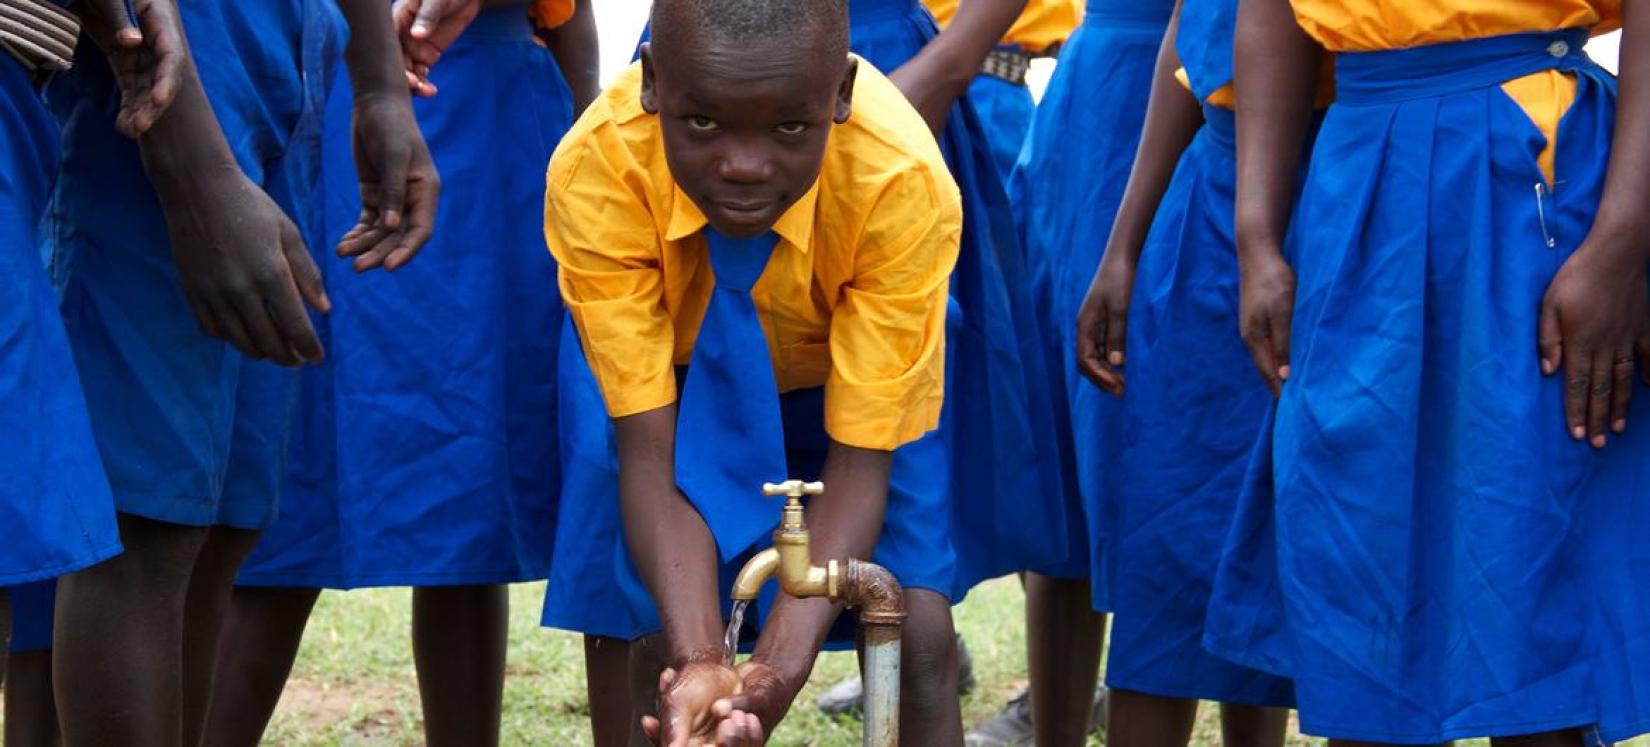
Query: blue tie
[730,437]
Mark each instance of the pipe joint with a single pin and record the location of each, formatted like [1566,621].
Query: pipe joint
[875,593]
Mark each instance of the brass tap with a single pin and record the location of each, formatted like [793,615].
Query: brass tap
[791,555]
[857,584]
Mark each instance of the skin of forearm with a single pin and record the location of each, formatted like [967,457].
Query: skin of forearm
[374,54]
[185,147]
[577,50]
[961,48]
[669,540]
[843,523]
[1173,117]
[1276,77]
[1623,207]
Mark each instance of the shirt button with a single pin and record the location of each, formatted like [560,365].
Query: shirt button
[1559,48]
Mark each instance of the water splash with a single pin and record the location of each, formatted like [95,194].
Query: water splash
[736,623]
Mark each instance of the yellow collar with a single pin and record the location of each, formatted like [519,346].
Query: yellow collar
[795,226]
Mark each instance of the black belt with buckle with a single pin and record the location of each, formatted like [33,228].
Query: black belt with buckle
[1007,63]
[39,33]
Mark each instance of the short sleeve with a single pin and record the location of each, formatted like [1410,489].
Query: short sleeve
[548,14]
[887,378]
[598,227]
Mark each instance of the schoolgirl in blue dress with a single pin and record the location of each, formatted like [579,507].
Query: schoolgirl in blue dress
[181,266]
[425,454]
[1452,543]
[56,512]
[1065,191]
[1159,329]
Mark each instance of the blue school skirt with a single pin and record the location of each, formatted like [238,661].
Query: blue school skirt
[56,514]
[1066,189]
[1005,109]
[595,589]
[190,431]
[426,446]
[1436,558]
[1193,409]
[1009,509]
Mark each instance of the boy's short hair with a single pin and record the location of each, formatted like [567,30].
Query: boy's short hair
[745,21]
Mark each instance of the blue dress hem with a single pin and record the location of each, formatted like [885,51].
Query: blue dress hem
[1258,697]
[1448,735]
[96,556]
[390,580]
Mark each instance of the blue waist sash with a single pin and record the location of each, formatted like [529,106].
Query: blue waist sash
[1391,76]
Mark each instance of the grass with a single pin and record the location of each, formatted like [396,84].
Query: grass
[354,682]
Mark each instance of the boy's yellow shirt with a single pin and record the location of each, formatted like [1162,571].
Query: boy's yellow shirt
[1371,25]
[1043,24]
[853,299]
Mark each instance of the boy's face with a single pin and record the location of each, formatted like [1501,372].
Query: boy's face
[745,127]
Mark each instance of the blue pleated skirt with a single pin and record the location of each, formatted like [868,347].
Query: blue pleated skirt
[1009,507]
[1433,557]
[1006,110]
[1192,412]
[426,449]
[1066,189]
[56,512]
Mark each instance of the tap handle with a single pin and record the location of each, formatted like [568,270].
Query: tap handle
[793,488]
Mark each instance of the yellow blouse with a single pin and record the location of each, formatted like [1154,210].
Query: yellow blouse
[548,14]
[1041,25]
[1364,25]
[1367,25]
[854,297]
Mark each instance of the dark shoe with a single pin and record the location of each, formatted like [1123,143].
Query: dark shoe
[1011,727]
[965,667]
[848,696]
[845,697]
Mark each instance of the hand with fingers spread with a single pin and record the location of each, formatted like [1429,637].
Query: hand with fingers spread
[1594,318]
[245,269]
[147,57]
[399,184]
[427,28]
[1266,307]
[686,701]
[1102,322]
